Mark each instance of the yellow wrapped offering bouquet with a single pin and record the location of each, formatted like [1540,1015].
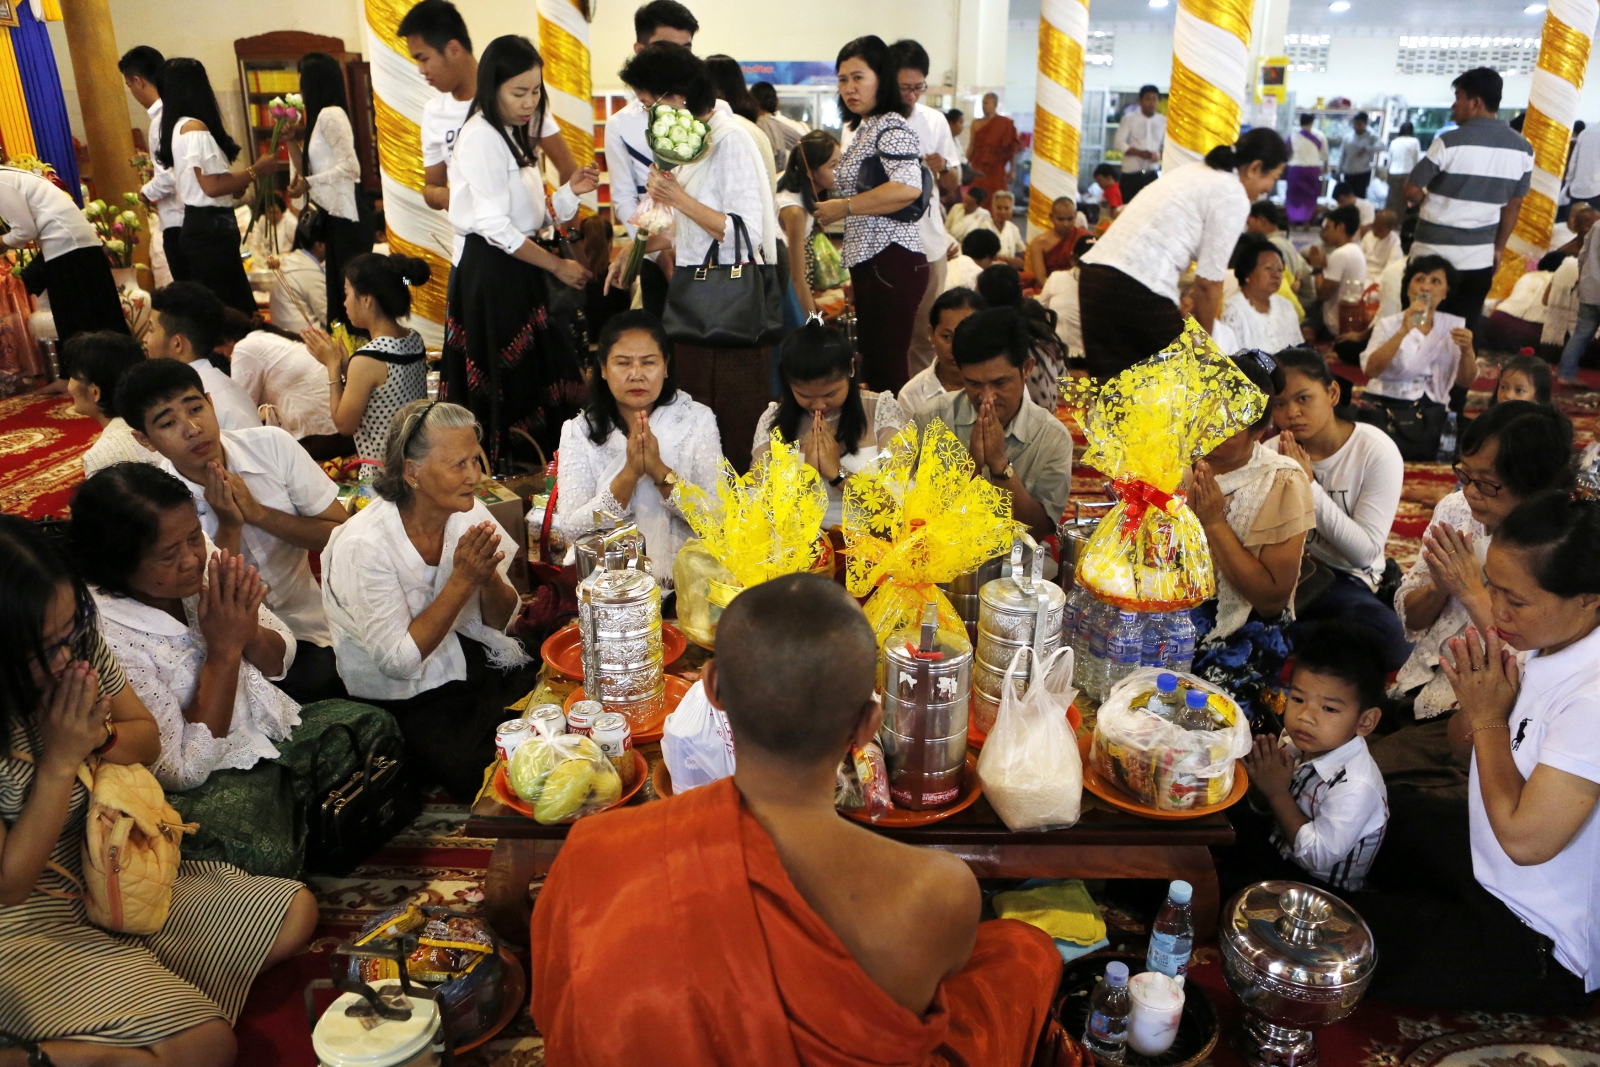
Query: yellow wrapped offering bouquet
[1145,427]
[757,527]
[916,517]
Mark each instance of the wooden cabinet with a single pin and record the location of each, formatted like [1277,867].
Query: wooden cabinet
[267,68]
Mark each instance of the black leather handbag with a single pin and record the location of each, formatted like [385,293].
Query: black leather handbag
[359,815]
[873,173]
[735,305]
[560,298]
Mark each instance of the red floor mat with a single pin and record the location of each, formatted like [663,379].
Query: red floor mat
[42,441]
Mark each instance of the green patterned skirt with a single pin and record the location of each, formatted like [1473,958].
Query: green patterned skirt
[255,819]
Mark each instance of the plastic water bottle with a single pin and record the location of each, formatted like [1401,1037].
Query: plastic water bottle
[1181,658]
[1078,603]
[1089,674]
[1106,1032]
[1447,439]
[1193,715]
[1172,936]
[1166,701]
[1124,647]
[1157,640]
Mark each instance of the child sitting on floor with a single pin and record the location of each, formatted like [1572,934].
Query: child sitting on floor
[1325,794]
[1523,377]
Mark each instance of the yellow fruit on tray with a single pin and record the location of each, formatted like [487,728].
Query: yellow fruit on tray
[564,791]
[606,788]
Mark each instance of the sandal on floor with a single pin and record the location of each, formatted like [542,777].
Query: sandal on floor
[37,1057]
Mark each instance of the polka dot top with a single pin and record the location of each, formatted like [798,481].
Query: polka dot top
[406,381]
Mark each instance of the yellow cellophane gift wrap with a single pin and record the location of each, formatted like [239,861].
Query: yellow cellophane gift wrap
[1145,427]
[755,528]
[916,517]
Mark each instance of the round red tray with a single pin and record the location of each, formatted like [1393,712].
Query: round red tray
[1112,793]
[563,650]
[507,796]
[900,818]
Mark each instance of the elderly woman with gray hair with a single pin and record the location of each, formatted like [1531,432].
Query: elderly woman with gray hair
[417,598]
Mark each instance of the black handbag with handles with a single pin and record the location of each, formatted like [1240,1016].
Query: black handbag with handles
[735,305]
[359,815]
[873,173]
[560,298]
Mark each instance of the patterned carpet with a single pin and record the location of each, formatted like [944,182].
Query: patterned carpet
[42,441]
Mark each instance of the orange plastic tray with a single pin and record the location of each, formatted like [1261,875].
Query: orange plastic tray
[508,796]
[1113,794]
[563,650]
[900,818]
[644,733]
[976,737]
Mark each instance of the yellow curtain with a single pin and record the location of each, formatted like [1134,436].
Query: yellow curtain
[16,129]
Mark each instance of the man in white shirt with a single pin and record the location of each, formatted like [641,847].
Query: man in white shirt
[628,155]
[1001,211]
[978,251]
[1381,243]
[1344,195]
[1140,137]
[1583,173]
[1404,151]
[257,492]
[437,38]
[141,68]
[1342,262]
[280,371]
[187,325]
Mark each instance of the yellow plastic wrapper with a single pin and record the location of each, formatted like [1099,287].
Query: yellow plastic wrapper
[915,517]
[757,527]
[1144,428]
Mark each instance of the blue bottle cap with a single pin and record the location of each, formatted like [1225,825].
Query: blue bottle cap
[1117,973]
[1167,683]
[1180,892]
[1195,698]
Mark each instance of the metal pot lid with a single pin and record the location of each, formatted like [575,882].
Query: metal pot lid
[1010,596]
[620,585]
[1298,935]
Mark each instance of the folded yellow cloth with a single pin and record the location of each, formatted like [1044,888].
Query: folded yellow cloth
[1064,910]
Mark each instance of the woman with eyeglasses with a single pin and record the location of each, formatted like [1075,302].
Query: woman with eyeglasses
[1512,452]
[418,601]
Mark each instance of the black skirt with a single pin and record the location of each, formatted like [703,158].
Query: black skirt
[211,248]
[346,241]
[515,366]
[83,295]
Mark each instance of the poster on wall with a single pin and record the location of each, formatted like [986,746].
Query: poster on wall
[782,72]
[8,13]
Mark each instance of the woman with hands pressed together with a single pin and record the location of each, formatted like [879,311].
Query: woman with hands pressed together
[189,626]
[391,369]
[1416,357]
[838,426]
[1256,508]
[1519,934]
[69,991]
[505,356]
[640,438]
[418,600]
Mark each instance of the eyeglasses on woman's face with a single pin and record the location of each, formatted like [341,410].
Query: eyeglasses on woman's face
[1486,486]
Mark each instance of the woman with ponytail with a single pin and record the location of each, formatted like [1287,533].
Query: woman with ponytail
[1128,287]
[391,369]
[1528,915]
[808,175]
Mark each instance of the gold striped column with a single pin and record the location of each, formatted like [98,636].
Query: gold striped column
[1552,106]
[1058,107]
[398,96]
[564,43]
[1210,74]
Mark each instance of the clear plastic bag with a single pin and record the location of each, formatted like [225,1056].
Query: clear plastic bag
[1031,772]
[1158,762]
[564,777]
[696,742]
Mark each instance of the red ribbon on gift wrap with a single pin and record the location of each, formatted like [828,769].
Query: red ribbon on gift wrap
[1139,497]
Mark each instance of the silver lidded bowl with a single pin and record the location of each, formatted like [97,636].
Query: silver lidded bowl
[1019,611]
[1297,958]
[619,621]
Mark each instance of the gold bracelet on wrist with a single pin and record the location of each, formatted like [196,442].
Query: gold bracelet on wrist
[1493,726]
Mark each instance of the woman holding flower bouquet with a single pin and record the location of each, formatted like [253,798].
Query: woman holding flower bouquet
[505,357]
[77,273]
[329,170]
[200,153]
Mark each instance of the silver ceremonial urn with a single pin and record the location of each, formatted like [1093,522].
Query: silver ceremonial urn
[589,549]
[926,697]
[619,621]
[1019,611]
[1297,958]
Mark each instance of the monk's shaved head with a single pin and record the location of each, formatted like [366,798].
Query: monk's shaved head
[796,663]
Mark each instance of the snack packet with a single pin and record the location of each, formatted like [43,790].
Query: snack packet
[1159,763]
[1145,427]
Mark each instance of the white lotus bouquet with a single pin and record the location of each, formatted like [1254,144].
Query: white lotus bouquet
[676,137]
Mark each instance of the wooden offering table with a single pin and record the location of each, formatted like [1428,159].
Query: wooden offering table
[1104,844]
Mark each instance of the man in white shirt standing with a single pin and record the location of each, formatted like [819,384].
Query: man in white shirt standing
[187,327]
[628,155]
[1404,151]
[257,492]
[1583,172]
[1140,137]
[141,73]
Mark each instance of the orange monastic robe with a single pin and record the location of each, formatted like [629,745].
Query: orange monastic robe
[993,151]
[670,934]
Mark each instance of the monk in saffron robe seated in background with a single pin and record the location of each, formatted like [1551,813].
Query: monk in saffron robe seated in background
[746,923]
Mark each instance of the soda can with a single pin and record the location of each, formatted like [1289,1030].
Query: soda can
[547,720]
[612,734]
[509,736]
[581,716]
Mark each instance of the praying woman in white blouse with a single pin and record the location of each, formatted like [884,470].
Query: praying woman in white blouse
[416,594]
[187,623]
[640,438]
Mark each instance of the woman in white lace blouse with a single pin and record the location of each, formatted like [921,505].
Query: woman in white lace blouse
[839,426]
[639,439]
[1513,451]
[329,170]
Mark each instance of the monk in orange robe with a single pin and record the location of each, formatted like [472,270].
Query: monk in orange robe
[747,923]
[993,151]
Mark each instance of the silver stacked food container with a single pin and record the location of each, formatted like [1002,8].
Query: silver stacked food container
[1021,611]
[619,620]
[963,590]
[927,687]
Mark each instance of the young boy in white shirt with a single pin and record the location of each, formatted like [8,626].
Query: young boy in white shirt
[1326,797]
